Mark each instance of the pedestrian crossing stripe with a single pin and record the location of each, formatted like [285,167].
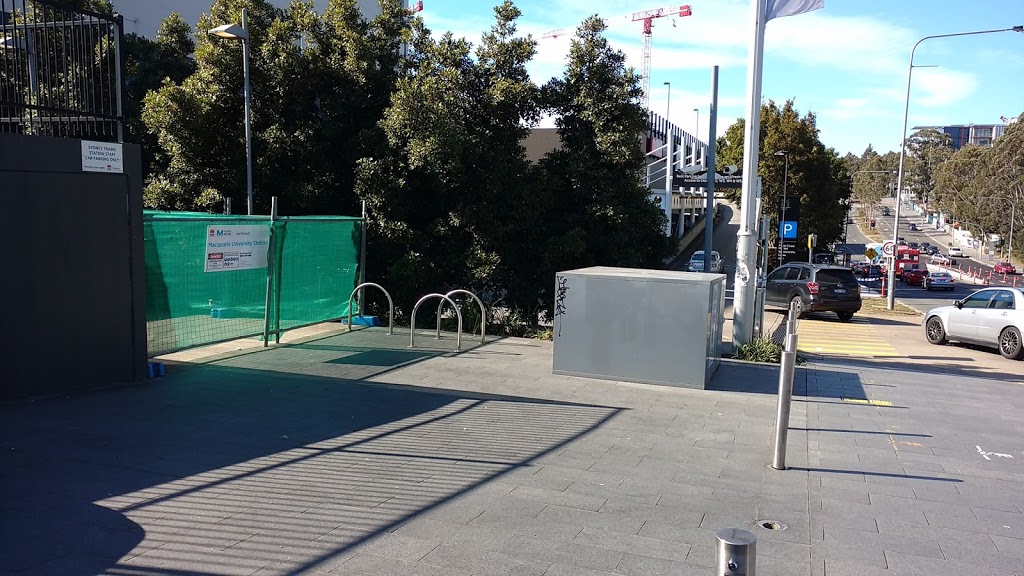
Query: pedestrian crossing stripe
[868,402]
[856,338]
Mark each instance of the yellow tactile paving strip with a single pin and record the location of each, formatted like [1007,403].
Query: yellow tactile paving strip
[854,338]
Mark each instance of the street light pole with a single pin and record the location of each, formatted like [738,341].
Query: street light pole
[785,186]
[891,296]
[668,103]
[248,111]
[697,130]
[236,32]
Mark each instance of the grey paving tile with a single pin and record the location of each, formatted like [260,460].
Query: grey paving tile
[639,565]
[370,565]
[568,553]
[652,547]
[482,561]
[899,505]
[558,498]
[938,533]
[909,565]
[1009,546]
[848,538]
[567,570]
[982,557]
[587,519]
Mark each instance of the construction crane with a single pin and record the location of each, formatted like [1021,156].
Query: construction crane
[647,17]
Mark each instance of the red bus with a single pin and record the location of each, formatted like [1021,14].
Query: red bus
[907,257]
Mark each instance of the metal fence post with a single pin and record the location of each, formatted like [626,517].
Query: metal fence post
[786,372]
[735,552]
[271,261]
[362,259]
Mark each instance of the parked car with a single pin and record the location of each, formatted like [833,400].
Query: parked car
[940,260]
[857,267]
[989,317]
[872,271]
[1004,268]
[914,276]
[696,263]
[939,281]
[912,227]
[955,251]
[814,288]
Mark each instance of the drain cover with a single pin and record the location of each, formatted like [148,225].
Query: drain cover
[772,525]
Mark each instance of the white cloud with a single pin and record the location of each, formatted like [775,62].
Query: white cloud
[937,88]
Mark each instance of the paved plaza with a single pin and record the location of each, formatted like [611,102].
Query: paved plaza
[354,454]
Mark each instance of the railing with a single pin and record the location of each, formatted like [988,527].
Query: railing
[483,313]
[60,71]
[391,305]
[458,315]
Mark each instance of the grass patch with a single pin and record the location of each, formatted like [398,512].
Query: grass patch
[865,227]
[759,350]
[878,307]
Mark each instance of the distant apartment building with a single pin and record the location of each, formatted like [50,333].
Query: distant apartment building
[977,134]
[143,17]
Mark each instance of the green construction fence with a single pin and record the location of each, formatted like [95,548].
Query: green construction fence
[210,278]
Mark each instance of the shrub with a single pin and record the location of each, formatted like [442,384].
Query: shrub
[760,350]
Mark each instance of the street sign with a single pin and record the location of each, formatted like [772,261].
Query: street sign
[888,249]
[787,230]
[701,181]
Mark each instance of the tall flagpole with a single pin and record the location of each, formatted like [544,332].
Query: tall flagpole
[743,302]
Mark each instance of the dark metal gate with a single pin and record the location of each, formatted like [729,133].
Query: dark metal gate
[60,71]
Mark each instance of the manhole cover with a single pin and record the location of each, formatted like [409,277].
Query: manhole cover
[772,525]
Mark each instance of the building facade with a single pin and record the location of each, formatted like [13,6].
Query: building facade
[143,17]
[976,134]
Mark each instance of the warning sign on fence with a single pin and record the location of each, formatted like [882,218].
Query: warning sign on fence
[236,247]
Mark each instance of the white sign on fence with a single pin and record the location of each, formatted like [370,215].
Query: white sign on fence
[102,157]
[236,247]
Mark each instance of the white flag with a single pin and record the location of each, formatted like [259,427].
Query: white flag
[780,8]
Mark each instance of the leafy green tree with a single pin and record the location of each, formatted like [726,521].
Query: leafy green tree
[148,63]
[596,178]
[319,86]
[926,151]
[818,177]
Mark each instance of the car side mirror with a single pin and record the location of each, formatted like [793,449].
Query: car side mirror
[958,303]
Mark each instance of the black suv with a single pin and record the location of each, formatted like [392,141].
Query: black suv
[815,288]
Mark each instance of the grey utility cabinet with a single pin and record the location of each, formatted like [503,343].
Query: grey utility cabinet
[652,326]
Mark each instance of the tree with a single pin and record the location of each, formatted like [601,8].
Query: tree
[148,64]
[596,178]
[319,86]
[926,151]
[818,177]
[444,194]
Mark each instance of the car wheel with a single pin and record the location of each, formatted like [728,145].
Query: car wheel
[845,316]
[934,331]
[1010,345]
[798,302]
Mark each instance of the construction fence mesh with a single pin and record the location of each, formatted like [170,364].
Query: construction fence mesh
[210,278]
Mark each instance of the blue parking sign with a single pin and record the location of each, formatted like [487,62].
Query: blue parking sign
[787,230]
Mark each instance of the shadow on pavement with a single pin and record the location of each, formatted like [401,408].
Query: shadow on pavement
[947,366]
[221,469]
[880,474]
[738,376]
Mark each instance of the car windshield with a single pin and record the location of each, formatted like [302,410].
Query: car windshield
[835,276]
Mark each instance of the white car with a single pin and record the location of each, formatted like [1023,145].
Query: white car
[697,262]
[941,260]
[954,252]
[991,317]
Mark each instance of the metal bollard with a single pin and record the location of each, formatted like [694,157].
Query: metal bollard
[786,371]
[735,552]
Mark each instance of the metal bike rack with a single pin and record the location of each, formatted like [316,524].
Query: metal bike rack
[458,315]
[391,306]
[483,312]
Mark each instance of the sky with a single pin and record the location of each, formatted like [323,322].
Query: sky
[846,63]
